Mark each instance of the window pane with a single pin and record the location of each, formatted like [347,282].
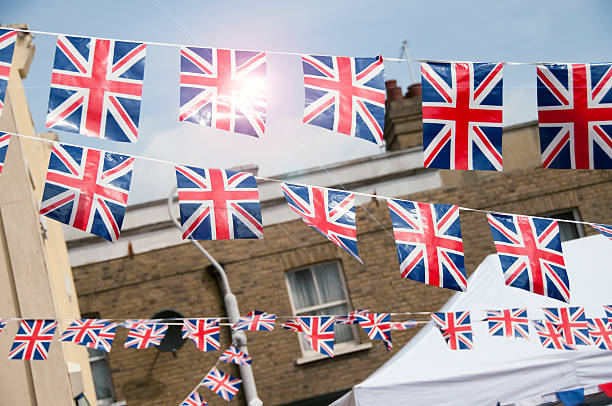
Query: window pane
[302,289]
[102,379]
[567,231]
[328,280]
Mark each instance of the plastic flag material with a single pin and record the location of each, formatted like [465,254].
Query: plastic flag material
[455,328]
[600,331]
[509,323]
[224,385]
[7,47]
[574,397]
[218,204]
[608,310]
[330,212]
[33,340]
[572,323]
[530,254]
[194,399]
[5,139]
[256,320]
[224,89]
[203,332]
[319,333]
[351,317]
[139,323]
[146,337]
[606,388]
[574,114]
[293,325]
[96,87]
[87,189]
[429,244]
[104,338]
[604,229]
[550,336]
[403,325]
[462,115]
[235,356]
[84,331]
[345,95]
[378,327]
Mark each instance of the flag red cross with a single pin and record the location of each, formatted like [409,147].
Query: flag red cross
[508,321]
[84,329]
[219,196]
[315,334]
[319,216]
[534,255]
[453,330]
[88,186]
[553,335]
[203,330]
[462,114]
[221,383]
[430,239]
[580,115]
[345,85]
[97,82]
[601,332]
[34,338]
[567,325]
[5,68]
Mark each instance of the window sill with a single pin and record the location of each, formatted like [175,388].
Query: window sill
[349,349]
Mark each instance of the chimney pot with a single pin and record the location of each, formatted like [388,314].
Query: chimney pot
[414,90]
[393,91]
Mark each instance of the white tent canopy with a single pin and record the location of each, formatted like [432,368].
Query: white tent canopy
[498,369]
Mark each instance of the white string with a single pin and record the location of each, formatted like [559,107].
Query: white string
[168,44]
[164,161]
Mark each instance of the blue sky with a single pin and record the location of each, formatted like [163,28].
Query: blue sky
[565,31]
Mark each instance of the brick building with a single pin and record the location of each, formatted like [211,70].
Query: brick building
[294,270]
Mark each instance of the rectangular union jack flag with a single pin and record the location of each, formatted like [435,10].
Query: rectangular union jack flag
[319,333]
[530,254]
[462,115]
[330,212]
[224,89]
[84,331]
[218,204]
[604,229]
[455,328]
[256,320]
[203,332]
[4,143]
[510,323]
[550,336]
[574,115]
[377,326]
[345,95]
[145,337]
[292,325]
[104,338]
[87,189]
[351,317]
[7,47]
[429,244]
[96,87]
[224,385]
[600,331]
[235,356]
[194,399]
[33,340]
[572,323]
[403,325]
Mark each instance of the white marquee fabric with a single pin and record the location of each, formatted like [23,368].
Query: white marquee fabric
[426,371]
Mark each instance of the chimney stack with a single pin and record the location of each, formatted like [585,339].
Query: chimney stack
[394,92]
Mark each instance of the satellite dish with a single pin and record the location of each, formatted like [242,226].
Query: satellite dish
[174,337]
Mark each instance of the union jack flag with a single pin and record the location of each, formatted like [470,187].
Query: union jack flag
[462,115]
[234,355]
[7,46]
[218,204]
[256,320]
[608,309]
[351,317]
[330,212]
[224,89]
[604,229]
[319,333]
[145,337]
[455,328]
[551,337]
[530,254]
[345,95]
[96,87]
[403,325]
[222,384]
[510,323]
[33,340]
[87,189]
[293,325]
[4,143]
[2,324]
[194,399]
[84,331]
[600,331]
[378,327]
[429,244]
[104,338]
[203,332]
[572,323]
[574,114]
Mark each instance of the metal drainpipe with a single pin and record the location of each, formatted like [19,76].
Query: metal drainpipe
[233,312]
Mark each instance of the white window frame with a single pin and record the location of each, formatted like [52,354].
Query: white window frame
[340,348]
[104,357]
[575,215]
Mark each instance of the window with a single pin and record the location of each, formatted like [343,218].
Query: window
[320,290]
[568,231]
[100,369]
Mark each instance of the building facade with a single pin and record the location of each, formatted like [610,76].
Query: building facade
[295,271]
